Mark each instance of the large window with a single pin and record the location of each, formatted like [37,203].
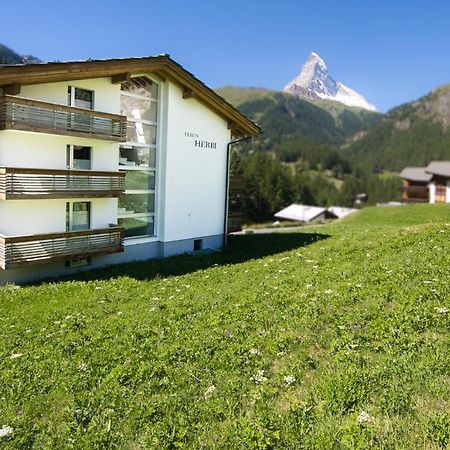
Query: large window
[138,157]
[78,216]
[78,157]
[81,98]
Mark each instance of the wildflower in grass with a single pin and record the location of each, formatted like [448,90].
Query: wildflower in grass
[119,313]
[82,367]
[329,291]
[259,377]
[441,310]
[15,355]
[209,392]
[254,351]
[288,380]
[5,430]
[365,417]
[341,327]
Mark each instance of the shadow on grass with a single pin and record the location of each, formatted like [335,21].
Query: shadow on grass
[239,249]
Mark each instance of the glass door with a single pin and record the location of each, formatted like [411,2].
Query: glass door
[78,216]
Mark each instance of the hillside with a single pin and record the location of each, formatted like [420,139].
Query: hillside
[286,117]
[9,56]
[335,337]
[412,134]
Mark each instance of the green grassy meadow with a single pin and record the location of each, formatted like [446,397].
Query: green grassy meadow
[334,337]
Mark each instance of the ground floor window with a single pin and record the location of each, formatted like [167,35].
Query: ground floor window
[78,262]
[440,195]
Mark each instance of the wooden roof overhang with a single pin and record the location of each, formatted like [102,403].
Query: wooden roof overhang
[121,70]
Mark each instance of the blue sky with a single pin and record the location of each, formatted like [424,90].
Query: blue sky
[389,51]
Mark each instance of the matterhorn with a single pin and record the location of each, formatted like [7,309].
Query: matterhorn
[314,82]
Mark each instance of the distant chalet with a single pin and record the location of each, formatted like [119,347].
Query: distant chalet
[429,184]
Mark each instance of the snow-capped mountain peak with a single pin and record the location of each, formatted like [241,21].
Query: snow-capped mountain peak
[315,82]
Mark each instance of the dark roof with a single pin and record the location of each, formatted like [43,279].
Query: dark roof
[162,65]
[415,174]
[440,168]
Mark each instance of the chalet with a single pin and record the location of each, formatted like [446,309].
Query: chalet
[440,181]
[427,184]
[109,161]
[415,184]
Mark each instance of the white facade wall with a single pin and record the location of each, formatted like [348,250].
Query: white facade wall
[45,151]
[194,185]
[19,217]
[432,191]
[106,97]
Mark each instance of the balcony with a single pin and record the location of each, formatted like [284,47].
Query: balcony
[415,193]
[20,251]
[22,183]
[31,115]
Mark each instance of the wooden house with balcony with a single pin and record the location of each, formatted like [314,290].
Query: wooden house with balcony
[108,161]
[429,184]
[415,184]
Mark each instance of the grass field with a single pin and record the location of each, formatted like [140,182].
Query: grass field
[329,338]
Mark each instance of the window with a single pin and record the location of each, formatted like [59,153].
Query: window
[81,98]
[78,216]
[440,194]
[139,102]
[79,157]
[78,262]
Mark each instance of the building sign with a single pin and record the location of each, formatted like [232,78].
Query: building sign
[198,142]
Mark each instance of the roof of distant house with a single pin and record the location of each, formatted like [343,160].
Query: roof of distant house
[340,211]
[301,213]
[440,168]
[161,65]
[416,174]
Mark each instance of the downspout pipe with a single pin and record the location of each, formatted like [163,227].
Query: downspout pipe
[227,185]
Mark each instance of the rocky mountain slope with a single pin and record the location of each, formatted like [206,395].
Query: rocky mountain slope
[314,82]
[286,117]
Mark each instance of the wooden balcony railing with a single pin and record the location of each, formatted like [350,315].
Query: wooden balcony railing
[18,113]
[19,251]
[23,183]
[415,193]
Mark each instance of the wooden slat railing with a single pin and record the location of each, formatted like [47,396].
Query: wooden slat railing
[415,193]
[32,115]
[19,251]
[24,183]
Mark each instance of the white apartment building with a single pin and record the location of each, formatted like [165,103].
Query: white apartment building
[109,161]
